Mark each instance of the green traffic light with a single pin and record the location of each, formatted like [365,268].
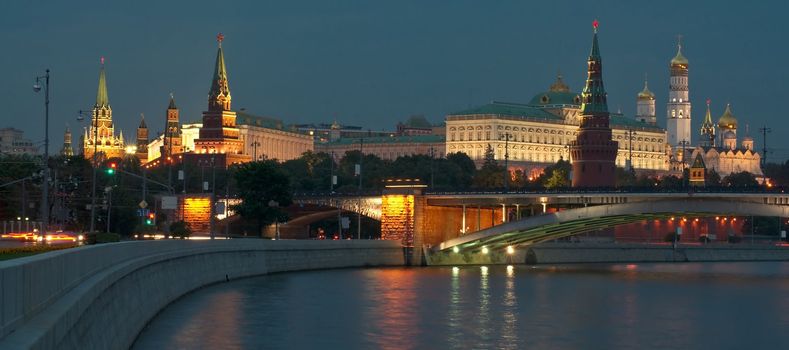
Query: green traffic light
[148,222]
[110,171]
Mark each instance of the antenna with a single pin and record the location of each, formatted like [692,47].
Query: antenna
[764,130]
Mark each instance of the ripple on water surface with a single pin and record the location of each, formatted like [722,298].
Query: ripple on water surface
[723,305]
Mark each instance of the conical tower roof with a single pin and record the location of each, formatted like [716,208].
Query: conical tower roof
[102,99]
[708,116]
[142,122]
[172,102]
[594,97]
[219,95]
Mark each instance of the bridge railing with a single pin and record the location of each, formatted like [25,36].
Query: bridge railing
[633,189]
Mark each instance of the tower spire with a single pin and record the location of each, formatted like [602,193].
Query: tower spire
[219,96]
[172,102]
[101,96]
[594,96]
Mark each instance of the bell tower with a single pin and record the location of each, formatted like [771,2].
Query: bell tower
[678,108]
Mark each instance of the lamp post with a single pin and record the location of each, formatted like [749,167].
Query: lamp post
[255,150]
[432,156]
[45,190]
[630,133]
[506,162]
[359,211]
[274,204]
[95,125]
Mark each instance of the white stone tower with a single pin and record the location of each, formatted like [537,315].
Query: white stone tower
[645,106]
[678,111]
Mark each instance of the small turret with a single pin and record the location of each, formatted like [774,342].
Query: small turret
[645,105]
[67,151]
[142,141]
[708,129]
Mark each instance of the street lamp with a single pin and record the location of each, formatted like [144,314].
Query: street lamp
[95,125]
[255,146]
[274,204]
[630,133]
[506,162]
[45,194]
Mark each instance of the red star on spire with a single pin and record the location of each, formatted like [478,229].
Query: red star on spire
[102,60]
[595,23]
[220,37]
[708,102]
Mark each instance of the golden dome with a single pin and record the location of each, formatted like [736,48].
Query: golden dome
[559,85]
[679,61]
[646,94]
[727,121]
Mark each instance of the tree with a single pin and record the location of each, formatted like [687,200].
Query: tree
[547,173]
[741,180]
[180,229]
[558,179]
[491,175]
[260,184]
[712,178]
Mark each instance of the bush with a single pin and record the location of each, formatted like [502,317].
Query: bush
[180,229]
[101,237]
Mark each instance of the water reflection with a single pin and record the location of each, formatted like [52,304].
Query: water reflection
[736,305]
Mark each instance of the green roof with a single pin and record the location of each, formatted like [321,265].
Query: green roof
[387,139]
[556,98]
[622,121]
[510,109]
[418,121]
[243,118]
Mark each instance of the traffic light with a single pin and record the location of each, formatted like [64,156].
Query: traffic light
[151,219]
[111,168]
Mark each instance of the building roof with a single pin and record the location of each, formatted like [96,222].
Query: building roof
[727,120]
[102,99]
[679,60]
[646,94]
[386,139]
[698,163]
[417,121]
[510,109]
[244,118]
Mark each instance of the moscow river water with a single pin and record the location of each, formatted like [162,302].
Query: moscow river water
[704,305]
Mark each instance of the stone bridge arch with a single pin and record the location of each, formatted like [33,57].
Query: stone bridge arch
[575,221]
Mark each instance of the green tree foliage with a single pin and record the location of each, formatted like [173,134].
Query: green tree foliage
[491,175]
[558,179]
[259,183]
[712,178]
[740,180]
[310,172]
[563,166]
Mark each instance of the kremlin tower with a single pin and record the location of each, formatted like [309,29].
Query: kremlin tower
[172,133]
[219,134]
[101,134]
[142,141]
[678,109]
[67,151]
[708,129]
[593,152]
[645,106]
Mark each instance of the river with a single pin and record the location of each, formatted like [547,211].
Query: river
[635,306]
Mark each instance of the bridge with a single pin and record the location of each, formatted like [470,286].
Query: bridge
[467,222]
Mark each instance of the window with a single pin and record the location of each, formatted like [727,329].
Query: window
[452,137]
[487,135]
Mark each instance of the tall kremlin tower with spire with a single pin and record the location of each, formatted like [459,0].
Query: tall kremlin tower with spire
[100,136]
[219,136]
[678,108]
[593,151]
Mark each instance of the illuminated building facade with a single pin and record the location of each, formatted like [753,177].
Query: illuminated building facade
[678,108]
[101,133]
[723,154]
[67,150]
[386,147]
[13,141]
[142,141]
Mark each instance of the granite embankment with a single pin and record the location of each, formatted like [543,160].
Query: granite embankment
[101,297]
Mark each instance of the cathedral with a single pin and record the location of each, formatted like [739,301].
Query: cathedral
[100,137]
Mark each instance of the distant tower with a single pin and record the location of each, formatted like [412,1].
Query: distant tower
[67,151]
[707,129]
[747,141]
[727,125]
[645,106]
[697,172]
[678,111]
[142,141]
[172,133]
[593,152]
[219,134]
[101,133]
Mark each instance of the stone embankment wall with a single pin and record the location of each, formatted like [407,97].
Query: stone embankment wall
[101,297]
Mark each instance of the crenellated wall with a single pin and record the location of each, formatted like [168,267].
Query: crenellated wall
[101,297]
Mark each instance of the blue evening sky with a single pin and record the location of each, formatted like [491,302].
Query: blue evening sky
[373,63]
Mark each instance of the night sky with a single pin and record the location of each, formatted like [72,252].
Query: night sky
[373,63]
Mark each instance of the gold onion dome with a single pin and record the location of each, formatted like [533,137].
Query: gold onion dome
[727,121]
[679,60]
[646,94]
[559,85]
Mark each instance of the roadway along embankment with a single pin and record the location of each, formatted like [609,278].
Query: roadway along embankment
[101,297]
[565,253]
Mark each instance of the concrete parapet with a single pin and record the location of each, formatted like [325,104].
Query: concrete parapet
[102,296]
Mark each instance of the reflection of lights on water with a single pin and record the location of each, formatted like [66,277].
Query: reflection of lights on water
[631,267]
[455,270]
[510,270]
[484,270]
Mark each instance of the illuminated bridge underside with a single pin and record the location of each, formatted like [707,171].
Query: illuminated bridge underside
[370,206]
[575,221]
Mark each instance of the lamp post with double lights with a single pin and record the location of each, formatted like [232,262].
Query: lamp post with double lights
[45,190]
[95,125]
[506,162]
[255,146]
